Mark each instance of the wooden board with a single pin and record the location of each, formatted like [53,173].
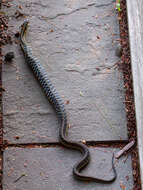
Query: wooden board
[135,22]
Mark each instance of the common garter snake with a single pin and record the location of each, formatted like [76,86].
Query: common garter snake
[58,105]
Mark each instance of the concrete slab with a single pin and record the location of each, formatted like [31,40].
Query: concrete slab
[76,43]
[53,170]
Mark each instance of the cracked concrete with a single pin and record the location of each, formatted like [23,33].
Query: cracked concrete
[78,51]
[78,9]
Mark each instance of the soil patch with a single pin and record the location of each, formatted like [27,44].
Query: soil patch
[5,38]
[125,65]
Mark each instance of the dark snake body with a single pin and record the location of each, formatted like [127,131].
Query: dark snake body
[58,105]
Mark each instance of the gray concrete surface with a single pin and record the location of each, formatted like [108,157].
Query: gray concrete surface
[51,168]
[76,43]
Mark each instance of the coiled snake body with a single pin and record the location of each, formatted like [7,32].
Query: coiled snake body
[58,105]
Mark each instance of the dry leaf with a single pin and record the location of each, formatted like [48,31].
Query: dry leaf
[67,102]
[122,186]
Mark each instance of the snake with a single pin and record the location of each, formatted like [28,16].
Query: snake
[58,105]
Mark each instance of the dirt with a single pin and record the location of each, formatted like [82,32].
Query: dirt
[125,66]
[4,39]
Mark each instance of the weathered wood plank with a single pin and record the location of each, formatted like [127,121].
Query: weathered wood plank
[135,21]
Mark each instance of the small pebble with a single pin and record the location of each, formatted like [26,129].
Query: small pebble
[118,51]
[17,34]
[9,56]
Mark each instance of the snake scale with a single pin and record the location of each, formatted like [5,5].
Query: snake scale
[58,105]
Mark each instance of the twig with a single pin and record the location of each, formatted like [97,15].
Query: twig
[22,175]
[126,148]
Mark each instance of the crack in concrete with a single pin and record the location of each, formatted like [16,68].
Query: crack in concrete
[112,143]
[76,10]
[33,113]
[40,4]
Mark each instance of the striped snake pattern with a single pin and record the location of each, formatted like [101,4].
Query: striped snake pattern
[58,105]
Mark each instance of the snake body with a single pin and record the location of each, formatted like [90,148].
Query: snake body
[58,105]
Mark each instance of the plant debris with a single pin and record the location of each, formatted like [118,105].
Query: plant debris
[125,66]
[22,175]
[125,149]
[18,14]
[9,56]
[4,39]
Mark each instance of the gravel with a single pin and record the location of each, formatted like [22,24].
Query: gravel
[4,39]
[125,66]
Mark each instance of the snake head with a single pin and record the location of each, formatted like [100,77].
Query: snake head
[24,26]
